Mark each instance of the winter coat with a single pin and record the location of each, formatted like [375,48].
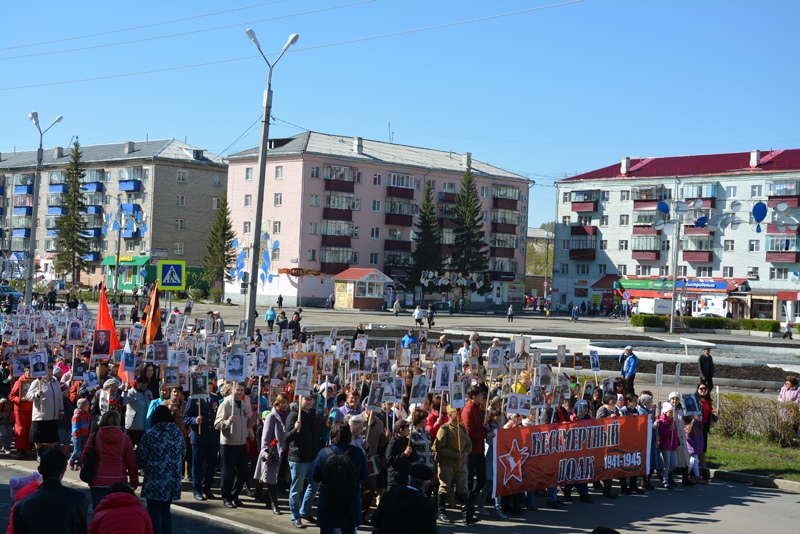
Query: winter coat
[706,366]
[274,429]
[667,434]
[473,421]
[694,438]
[114,458]
[160,454]
[51,405]
[120,513]
[136,404]
[683,452]
[435,422]
[790,395]
[399,463]
[303,443]
[238,432]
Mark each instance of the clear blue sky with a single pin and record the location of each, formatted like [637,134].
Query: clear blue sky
[545,93]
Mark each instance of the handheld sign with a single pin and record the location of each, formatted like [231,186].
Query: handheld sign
[561,354]
[659,375]
[677,375]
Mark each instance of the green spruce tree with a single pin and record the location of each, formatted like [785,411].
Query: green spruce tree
[71,243]
[471,253]
[220,257]
[427,255]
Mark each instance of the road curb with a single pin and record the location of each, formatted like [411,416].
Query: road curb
[759,481]
[243,527]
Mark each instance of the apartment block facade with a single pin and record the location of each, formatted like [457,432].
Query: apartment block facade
[613,239]
[165,190]
[334,202]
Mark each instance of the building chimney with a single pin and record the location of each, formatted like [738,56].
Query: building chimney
[58,152]
[358,145]
[466,160]
[128,147]
[625,165]
[755,159]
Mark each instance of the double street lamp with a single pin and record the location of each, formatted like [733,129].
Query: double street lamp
[31,265]
[262,171]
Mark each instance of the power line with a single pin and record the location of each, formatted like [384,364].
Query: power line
[247,131]
[339,43]
[134,28]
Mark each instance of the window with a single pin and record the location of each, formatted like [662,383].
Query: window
[180,224]
[682,270]
[312,255]
[778,273]
[565,197]
[248,174]
[376,205]
[402,180]
[276,253]
[130,245]
[377,179]
[752,273]
[449,187]
[181,201]
[215,202]
[625,195]
[314,203]
[565,244]
[642,270]
[622,270]
[603,244]
[581,268]
[565,220]
[605,196]
[182,176]
[585,220]
[217,180]
[278,199]
[584,196]
[704,271]
[396,234]
[754,245]
[484,217]
[313,228]
[373,258]
[665,245]
[730,191]
[728,245]
[178,249]
[601,268]
[248,200]
[727,272]
[145,198]
[246,227]
[565,268]
[279,172]
[624,219]
[484,191]
[663,270]
[701,190]
[356,232]
[623,244]
[105,245]
[604,220]
[315,173]
[756,190]
[375,233]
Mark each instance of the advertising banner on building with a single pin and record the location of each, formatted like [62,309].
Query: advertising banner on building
[546,456]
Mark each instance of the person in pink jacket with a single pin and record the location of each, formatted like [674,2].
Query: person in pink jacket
[115,460]
[790,392]
[668,442]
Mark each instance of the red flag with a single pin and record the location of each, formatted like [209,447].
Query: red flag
[105,322]
[152,319]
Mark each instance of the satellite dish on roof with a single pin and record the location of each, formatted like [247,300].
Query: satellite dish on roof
[782,206]
[697,204]
[663,207]
[681,207]
[735,222]
[736,206]
[780,227]
[658,224]
[669,227]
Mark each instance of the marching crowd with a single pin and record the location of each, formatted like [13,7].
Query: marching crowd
[362,462]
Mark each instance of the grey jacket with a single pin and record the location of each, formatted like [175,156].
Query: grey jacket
[236,432]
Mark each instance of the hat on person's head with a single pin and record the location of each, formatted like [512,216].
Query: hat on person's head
[644,399]
[102,362]
[629,347]
[420,471]
[667,407]
[674,395]
[304,328]
[110,383]
[258,330]
[175,308]
[58,371]
[216,312]
[495,399]
[400,425]
[86,351]
[51,360]
[496,340]
[450,409]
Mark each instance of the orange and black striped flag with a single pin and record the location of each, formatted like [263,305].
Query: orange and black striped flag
[152,319]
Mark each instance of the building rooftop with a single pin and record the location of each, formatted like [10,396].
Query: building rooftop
[769,161]
[170,149]
[343,147]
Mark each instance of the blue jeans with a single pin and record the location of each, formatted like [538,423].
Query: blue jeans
[160,515]
[77,449]
[299,471]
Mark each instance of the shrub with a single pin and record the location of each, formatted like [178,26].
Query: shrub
[215,293]
[760,325]
[652,321]
[705,323]
[747,415]
[195,293]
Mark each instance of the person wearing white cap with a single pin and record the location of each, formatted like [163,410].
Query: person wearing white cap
[668,442]
[630,362]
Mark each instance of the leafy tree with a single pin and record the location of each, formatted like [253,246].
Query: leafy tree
[220,257]
[539,259]
[471,253]
[549,227]
[427,255]
[71,243]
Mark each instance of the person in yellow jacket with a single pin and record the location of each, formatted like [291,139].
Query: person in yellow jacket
[524,383]
[451,448]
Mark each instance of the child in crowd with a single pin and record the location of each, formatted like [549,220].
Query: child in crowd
[668,442]
[6,424]
[694,442]
[81,422]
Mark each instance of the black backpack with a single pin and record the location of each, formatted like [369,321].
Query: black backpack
[339,480]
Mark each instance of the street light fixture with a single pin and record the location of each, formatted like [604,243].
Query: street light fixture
[262,171]
[31,266]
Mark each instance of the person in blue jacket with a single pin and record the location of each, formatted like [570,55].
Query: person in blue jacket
[199,417]
[630,362]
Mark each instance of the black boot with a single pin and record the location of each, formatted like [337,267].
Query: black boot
[685,476]
[466,510]
[443,509]
[607,490]
[259,494]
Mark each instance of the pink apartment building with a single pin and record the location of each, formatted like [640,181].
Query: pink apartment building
[333,202]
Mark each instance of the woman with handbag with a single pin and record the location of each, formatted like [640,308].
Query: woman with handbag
[273,449]
[108,458]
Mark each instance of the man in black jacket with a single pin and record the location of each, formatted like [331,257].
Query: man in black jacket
[52,508]
[400,455]
[302,435]
[706,365]
[405,508]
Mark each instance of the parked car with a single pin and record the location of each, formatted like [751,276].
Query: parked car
[8,290]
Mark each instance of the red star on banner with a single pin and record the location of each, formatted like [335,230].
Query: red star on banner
[513,462]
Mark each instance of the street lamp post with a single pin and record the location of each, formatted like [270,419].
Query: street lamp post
[31,266]
[262,171]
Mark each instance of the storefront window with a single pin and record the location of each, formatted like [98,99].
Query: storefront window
[369,289]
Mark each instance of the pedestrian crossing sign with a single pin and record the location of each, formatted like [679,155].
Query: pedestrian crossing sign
[172,275]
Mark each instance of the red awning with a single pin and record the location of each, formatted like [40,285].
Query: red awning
[789,295]
[607,282]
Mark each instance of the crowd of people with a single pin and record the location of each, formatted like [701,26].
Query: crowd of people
[364,447]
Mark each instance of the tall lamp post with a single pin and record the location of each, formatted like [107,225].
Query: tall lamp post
[31,266]
[262,171]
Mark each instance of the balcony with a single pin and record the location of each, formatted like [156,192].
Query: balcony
[582,254]
[791,201]
[502,276]
[93,232]
[700,256]
[23,189]
[447,198]
[499,252]
[582,230]
[773,229]
[690,229]
[783,257]
[645,217]
[340,185]
[91,257]
[337,214]
[131,233]
[646,255]
[648,197]
[399,192]
[448,249]
[130,185]
[783,191]
[94,210]
[55,199]
[446,211]
[336,241]
[92,187]
[20,232]
[504,203]
[23,211]
[645,230]
[58,188]
[396,245]
[396,219]
[333,268]
[585,206]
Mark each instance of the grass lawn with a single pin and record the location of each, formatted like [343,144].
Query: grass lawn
[753,456]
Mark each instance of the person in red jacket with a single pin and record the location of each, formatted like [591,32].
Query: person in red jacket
[472,417]
[120,512]
[115,460]
[437,417]
[21,487]
[23,413]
